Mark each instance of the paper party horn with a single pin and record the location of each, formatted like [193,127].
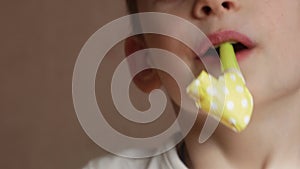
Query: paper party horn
[226,97]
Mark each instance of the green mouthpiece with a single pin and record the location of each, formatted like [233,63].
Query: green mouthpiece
[228,58]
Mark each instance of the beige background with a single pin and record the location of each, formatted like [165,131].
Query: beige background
[40,41]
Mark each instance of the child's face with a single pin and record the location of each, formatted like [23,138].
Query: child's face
[270,67]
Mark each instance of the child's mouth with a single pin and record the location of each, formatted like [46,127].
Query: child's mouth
[213,51]
[241,43]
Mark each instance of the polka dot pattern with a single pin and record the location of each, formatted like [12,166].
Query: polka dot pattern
[214,106]
[244,103]
[239,89]
[226,97]
[226,91]
[246,119]
[230,105]
[211,91]
[233,77]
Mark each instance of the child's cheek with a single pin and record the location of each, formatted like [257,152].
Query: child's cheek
[178,49]
[171,86]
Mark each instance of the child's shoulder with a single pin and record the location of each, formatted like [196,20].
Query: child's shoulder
[168,160]
[115,162]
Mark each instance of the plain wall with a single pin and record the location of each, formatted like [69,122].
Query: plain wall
[40,41]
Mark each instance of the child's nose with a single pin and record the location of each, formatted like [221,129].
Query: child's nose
[205,8]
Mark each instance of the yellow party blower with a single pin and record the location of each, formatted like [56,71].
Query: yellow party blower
[226,98]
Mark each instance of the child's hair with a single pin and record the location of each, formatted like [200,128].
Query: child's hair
[131,6]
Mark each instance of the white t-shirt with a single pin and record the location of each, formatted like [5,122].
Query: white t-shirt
[168,160]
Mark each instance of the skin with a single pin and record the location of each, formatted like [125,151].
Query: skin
[272,139]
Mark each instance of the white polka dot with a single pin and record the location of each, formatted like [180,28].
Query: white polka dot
[211,91]
[244,103]
[197,82]
[239,89]
[194,92]
[232,121]
[246,120]
[214,106]
[221,79]
[232,77]
[226,91]
[230,105]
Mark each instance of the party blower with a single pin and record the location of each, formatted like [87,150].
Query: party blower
[226,98]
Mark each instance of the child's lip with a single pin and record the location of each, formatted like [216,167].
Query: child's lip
[217,38]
